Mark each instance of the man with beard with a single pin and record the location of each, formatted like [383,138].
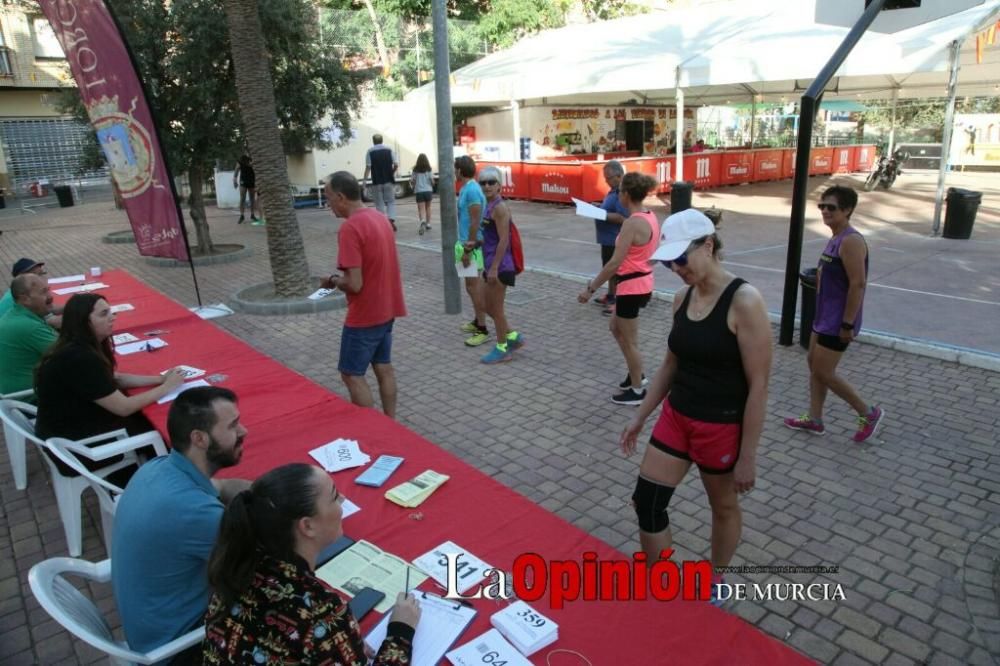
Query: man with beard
[24,335]
[168,518]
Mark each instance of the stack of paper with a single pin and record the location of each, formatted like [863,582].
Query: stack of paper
[491,643]
[468,569]
[528,630]
[415,491]
[340,454]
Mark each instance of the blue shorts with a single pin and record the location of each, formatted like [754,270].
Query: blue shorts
[361,347]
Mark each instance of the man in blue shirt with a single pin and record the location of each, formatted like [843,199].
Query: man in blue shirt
[607,230]
[468,249]
[167,521]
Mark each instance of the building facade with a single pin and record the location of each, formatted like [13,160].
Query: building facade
[37,142]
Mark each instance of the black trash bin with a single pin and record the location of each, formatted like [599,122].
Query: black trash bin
[64,194]
[962,208]
[680,196]
[807,314]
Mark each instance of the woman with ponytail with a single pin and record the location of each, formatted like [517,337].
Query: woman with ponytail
[268,605]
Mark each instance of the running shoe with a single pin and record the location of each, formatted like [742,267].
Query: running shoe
[608,311]
[805,422]
[516,342]
[629,397]
[470,327]
[479,338]
[241,220]
[497,355]
[627,382]
[868,425]
[604,300]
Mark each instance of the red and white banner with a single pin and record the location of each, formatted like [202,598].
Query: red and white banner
[119,112]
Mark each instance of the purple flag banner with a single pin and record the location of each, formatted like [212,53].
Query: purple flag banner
[113,94]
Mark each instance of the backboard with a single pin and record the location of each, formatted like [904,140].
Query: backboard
[898,14]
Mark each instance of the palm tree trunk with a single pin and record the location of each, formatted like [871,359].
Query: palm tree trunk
[255,90]
[196,208]
[383,53]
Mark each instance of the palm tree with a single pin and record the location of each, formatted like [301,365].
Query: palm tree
[255,90]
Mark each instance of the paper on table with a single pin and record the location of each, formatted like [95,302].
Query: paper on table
[442,621]
[469,568]
[122,338]
[180,389]
[141,345]
[91,286]
[492,642]
[472,270]
[348,508]
[68,278]
[122,307]
[320,293]
[187,371]
[584,209]
[366,565]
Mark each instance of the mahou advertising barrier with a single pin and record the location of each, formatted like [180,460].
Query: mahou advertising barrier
[118,110]
[561,180]
[767,165]
[736,167]
[820,161]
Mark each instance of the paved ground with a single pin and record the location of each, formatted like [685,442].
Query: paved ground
[939,290]
[912,520]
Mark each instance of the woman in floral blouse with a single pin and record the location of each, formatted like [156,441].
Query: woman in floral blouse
[268,606]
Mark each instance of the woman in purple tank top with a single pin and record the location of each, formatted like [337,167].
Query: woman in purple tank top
[840,292]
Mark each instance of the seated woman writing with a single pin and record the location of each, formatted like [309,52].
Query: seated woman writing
[268,606]
[79,393]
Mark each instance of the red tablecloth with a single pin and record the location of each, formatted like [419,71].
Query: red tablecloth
[287,415]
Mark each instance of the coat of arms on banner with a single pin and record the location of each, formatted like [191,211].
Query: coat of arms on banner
[126,145]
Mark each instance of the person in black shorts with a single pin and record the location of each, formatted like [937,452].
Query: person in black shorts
[247,179]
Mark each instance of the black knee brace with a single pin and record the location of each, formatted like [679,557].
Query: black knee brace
[650,500]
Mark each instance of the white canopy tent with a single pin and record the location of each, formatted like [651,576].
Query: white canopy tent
[725,52]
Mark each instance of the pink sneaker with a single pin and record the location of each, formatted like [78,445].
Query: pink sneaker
[806,422]
[868,425]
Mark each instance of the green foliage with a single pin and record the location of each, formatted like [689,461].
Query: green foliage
[604,10]
[182,51]
[507,21]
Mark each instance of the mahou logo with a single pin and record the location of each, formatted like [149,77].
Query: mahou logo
[552,188]
[738,169]
[702,168]
[768,165]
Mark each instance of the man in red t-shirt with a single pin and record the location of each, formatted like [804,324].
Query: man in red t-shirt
[374,288]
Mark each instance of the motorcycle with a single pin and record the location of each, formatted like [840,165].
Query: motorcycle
[886,171]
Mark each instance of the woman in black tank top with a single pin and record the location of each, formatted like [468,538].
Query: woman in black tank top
[713,387]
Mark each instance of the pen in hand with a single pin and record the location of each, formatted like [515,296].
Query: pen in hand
[406,586]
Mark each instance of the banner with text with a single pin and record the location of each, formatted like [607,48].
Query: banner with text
[119,112]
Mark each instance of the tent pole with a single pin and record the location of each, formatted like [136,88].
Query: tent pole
[446,158]
[515,113]
[949,120]
[807,118]
[753,118]
[892,122]
[679,127]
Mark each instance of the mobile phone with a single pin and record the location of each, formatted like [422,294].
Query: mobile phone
[364,601]
[334,549]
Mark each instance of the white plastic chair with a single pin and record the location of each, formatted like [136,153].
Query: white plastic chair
[107,493]
[18,415]
[16,445]
[79,616]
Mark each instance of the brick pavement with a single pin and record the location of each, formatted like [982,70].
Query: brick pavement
[911,520]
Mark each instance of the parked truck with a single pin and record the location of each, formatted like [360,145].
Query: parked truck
[406,127]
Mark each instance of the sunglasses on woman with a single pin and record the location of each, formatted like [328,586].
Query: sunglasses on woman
[682,260]
[488,182]
[828,206]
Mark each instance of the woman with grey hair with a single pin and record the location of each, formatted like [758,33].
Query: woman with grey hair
[498,261]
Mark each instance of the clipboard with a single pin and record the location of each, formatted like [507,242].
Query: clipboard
[442,621]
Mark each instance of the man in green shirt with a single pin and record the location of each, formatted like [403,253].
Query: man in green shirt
[22,266]
[24,335]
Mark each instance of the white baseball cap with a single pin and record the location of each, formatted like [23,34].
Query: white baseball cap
[678,231]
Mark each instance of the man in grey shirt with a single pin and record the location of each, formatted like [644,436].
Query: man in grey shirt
[381,164]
